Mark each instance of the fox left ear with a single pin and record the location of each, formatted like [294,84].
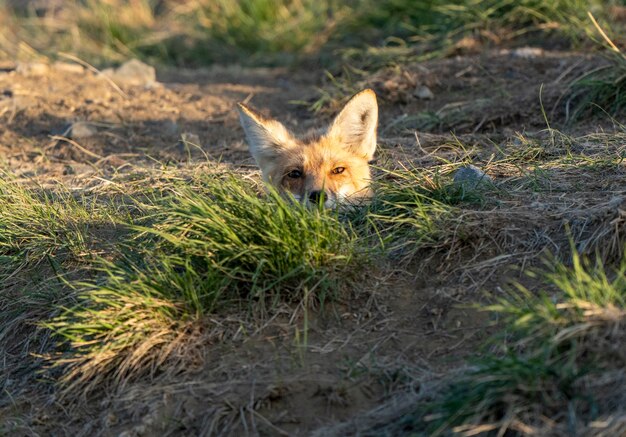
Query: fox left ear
[267,138]
[356,124]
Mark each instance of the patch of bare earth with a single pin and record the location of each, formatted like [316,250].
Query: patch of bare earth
[307,369]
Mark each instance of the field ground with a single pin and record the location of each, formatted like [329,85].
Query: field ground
[368,361]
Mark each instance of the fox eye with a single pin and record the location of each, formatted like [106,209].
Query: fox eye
[294,174]
[338,170]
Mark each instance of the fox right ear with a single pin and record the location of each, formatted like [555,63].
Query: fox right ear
[266,138]
[356,124]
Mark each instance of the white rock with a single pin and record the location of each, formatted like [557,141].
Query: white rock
[82,129]
[33,68]
[67,67]
[424,93]
[133,72]
[527,52]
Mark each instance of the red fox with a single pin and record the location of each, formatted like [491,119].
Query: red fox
[332,167]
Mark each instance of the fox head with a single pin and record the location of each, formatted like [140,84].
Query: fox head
[332,167]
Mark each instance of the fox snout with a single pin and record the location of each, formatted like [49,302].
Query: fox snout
[330,167]
[316,196]
[320,197]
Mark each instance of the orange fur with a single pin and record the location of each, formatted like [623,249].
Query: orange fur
[335,163]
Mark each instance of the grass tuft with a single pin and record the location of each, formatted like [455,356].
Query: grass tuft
[553,344]
[216,247]
[602,89]
[410,210]
[40,223]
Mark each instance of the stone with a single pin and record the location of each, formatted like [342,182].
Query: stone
[167,127]
[527,52]
[33,68]
[424,93]
[189,143]
[191,138]
[68,67]
[133,72]
[471,178]
[82,130]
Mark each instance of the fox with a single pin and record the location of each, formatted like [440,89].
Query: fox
[331,167]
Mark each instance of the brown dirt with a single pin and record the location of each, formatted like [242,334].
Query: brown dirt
[275,380]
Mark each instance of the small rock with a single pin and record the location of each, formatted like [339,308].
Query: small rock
[32,68]
[133,72]
[424,93]
[82,129]
[471,178]
[167,127]
[527,52]
[67,67]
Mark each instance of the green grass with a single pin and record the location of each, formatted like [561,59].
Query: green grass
[46,236]
[603,89]
[412,210]
[191,252]
[215,248]
[263,32]
[35,224]
[408,31]
[551,345]
[262,243]
[182,253]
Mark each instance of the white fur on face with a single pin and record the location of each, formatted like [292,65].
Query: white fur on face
[343,193]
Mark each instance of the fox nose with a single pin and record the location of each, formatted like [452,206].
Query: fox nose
[316,196]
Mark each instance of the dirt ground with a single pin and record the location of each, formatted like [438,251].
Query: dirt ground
[405,326]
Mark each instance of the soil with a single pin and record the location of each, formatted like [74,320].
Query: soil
[298,372]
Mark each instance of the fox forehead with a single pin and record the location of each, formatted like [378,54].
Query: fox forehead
[324,152]
[315,157]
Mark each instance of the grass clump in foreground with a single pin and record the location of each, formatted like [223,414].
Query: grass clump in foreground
[217,247]
[46,234]
[413,209]
[560,365]
[603,88]
[36,224]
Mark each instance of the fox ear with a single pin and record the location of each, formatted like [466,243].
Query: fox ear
[356,124]
[266,138]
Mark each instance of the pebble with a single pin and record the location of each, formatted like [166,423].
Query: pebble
[82,129]
[424,93]
[133,72]
[67,67]
[167,127]
[32,68]
[471,177]
[527,52]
